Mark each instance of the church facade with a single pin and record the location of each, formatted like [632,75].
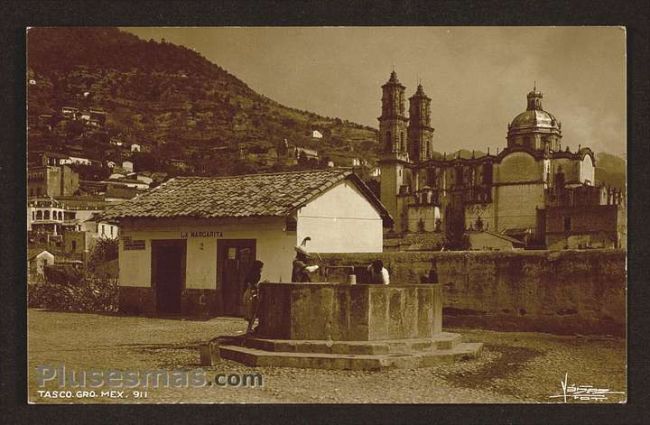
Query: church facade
[533,190]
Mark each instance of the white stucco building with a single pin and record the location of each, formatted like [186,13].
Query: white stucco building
[186,246]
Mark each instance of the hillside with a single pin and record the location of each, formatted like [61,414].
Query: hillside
[611,170]
[165,97]
[181,109]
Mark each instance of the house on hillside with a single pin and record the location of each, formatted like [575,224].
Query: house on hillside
[186,245]
[98,228]
[44,121]
[77,160]
[52,158]
[99,116]
[116,176]
[315,134]
[70,112]
[180,164]
[305,153]
[52,181]
[144,179]
[130,181]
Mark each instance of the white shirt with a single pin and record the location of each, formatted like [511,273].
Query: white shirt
[385,278]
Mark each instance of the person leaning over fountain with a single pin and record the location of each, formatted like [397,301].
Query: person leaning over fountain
[378,273]
[301,271]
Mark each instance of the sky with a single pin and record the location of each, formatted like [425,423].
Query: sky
[477,77]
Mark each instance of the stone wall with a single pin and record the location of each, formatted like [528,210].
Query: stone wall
[546,291]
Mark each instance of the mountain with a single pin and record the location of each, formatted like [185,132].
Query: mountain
[178,105]
[611,170]
[166,97]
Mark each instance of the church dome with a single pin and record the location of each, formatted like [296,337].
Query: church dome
[535,118]
[534,127]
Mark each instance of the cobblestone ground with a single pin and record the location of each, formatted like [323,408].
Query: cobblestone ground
[513,368]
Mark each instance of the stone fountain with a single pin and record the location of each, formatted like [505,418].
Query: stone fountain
[339,326]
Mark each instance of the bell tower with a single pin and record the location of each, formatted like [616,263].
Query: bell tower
[394,149]
[392,122]
[420,132]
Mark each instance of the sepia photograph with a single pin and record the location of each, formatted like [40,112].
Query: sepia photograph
[326,215]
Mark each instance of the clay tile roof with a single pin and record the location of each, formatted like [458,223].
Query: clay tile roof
[274,194]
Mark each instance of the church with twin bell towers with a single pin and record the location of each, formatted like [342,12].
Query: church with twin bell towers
[533,192]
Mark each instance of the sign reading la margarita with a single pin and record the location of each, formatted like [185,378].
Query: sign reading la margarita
[202,234]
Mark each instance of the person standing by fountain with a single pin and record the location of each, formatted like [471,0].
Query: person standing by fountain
[251,294]
[378,273]
[301,271]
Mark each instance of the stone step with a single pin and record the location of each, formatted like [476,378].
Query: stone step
[406,360]
[441,341]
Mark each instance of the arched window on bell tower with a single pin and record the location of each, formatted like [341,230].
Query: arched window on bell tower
[401,142]
[389,141]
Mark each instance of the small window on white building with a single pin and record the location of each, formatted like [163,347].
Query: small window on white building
[111,231]
[291,224]
[103,230]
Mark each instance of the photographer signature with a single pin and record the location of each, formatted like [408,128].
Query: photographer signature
[582,392]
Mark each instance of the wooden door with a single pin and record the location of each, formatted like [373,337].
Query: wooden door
[234,259]
[168,274]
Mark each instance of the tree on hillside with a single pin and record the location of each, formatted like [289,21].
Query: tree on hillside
[72,128]
[145,161]
[91,172]
[171,149]
[241,167]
